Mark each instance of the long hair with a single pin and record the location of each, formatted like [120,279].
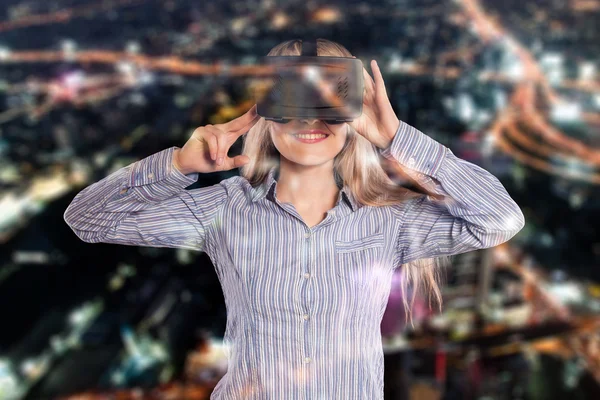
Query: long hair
[356,165]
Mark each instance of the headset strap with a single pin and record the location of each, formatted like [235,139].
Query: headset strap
[309,48]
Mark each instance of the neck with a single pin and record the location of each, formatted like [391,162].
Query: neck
[307,186]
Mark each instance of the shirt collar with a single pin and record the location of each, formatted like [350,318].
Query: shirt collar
[264,188]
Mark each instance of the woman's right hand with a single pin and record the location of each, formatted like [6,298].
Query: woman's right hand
[206,150]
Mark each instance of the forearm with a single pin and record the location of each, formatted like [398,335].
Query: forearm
[101,206]
[471,193]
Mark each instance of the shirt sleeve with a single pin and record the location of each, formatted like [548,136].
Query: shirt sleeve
[476,212]
[146,204]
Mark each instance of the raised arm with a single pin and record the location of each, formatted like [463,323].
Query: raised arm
[476,213]
[146,204]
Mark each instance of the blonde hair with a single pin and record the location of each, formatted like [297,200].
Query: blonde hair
[357,166]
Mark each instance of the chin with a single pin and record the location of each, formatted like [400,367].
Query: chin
[308,161]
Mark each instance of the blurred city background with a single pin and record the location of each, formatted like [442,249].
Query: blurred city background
[90,86]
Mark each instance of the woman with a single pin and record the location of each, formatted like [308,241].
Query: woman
[306,239]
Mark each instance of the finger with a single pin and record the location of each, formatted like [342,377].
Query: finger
[211,138]
[366,106]
[242,120]
[369,84]
[236,162]
[223,148]
[379,83]
[246,127]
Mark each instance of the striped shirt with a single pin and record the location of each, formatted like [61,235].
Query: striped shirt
[304,304]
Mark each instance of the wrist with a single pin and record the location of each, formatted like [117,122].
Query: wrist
[177,165]
[389,136]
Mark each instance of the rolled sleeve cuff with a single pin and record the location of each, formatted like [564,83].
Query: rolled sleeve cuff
[156,178]
[416,150]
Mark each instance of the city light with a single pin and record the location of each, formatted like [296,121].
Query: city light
[88,89]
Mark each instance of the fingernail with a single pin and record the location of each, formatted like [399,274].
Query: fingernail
[220,161]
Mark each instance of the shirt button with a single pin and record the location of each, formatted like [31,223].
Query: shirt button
[307,235]
[307,359]
[150,175]
[411,161]
[306,275]
[305,316]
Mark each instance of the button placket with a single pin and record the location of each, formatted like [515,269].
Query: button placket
[305,287]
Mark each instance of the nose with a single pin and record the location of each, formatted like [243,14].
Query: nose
[309,121]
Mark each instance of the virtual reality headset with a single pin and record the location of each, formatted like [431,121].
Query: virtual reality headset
[310,87]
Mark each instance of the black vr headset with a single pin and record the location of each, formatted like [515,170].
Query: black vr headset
[312,87]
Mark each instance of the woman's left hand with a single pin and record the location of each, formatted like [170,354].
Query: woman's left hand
[378,122]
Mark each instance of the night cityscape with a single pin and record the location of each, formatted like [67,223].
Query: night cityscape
[90,86]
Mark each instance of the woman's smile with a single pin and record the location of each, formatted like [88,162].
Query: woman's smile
[310,135]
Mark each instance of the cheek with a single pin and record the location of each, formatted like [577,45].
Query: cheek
[280,139]
[341,135]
